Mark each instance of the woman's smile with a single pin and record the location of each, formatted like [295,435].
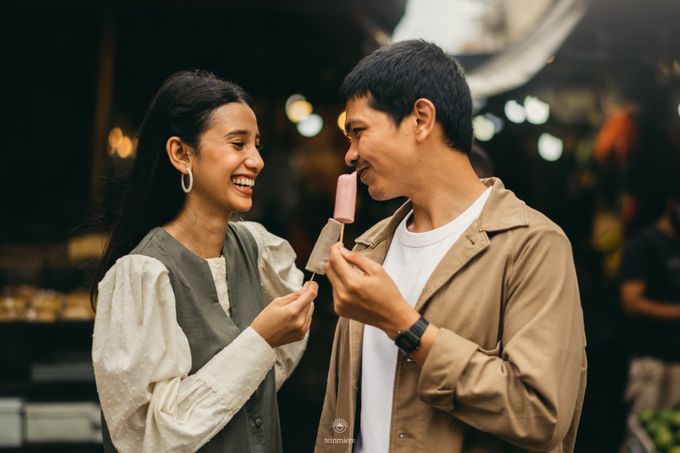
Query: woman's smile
[244,184]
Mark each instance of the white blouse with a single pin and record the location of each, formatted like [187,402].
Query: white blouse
[142,359]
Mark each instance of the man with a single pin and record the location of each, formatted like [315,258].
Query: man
[650,293]
[460,324]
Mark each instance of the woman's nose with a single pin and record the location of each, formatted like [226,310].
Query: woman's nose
[255,161]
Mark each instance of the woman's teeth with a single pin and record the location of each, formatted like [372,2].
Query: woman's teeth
[241,181]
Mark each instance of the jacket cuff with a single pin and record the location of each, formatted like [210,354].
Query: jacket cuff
[446,361]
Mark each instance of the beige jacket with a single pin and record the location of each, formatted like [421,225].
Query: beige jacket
[507,371]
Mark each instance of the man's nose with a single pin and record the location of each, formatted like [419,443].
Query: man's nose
[352,155]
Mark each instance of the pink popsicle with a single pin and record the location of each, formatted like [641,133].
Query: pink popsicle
[345,198]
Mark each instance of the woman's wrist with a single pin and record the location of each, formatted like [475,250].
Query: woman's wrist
[260,331]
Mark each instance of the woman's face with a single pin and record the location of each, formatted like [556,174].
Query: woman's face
[229,160]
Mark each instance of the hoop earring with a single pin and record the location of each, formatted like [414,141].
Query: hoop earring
[191,181]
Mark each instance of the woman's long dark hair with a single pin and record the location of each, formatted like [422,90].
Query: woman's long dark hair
[182,107]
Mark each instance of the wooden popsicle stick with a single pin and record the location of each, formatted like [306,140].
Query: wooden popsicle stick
[342,233]
[311,279]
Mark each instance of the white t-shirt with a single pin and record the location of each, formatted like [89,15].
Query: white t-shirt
[410,261]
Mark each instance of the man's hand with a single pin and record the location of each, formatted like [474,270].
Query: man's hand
[363,291]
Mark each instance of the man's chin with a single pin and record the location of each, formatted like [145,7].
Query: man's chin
[379,194]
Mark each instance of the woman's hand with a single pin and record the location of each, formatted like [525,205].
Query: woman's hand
[287,319]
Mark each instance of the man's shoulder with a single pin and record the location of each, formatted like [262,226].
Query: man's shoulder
[508,212]
[539,231]
[540,223]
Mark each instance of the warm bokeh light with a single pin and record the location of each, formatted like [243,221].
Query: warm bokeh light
[121,144]
[299,110]
[125,147]
[292,98]
[114,136]
[341,121]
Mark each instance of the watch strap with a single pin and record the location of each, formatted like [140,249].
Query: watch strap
[419,327]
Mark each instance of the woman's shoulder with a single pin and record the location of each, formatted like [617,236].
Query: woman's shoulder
[263,237]
[133,277]
[135,266]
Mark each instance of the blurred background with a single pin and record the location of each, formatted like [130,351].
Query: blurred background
[577,111]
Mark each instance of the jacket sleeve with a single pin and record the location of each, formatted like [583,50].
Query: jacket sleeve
[526,392]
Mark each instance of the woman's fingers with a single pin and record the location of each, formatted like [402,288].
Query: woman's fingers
[288,298]
[308,295]
[308,320]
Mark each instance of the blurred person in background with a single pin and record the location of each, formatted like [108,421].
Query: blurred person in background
[199,320]
[463,332]
[650,294]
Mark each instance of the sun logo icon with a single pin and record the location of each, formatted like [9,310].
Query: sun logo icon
[340,425]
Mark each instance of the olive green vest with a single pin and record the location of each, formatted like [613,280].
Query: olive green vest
[255,428]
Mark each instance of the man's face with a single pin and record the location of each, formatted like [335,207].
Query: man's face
[381,151]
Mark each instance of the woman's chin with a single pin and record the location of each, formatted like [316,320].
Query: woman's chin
[241,206]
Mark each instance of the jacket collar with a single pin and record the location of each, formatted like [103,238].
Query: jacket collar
[502,211]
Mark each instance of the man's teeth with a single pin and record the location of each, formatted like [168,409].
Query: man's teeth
[241,181]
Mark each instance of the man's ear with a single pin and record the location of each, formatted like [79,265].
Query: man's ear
[425,114]
[180,154]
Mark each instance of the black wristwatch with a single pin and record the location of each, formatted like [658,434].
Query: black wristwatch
[409,340]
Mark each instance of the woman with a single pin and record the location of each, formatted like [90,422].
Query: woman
[199,321]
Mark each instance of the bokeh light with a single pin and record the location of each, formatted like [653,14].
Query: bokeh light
[514,111]
[550,147]
[310,126]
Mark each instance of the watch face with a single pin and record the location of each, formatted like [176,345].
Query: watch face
[407,341]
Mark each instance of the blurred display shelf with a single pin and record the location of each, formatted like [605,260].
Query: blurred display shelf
[47,365]
[44,306]
[62,372]
[24,345]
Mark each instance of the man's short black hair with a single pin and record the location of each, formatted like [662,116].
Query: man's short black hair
[395,76]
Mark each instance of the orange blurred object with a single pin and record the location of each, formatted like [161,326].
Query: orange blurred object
[617,136]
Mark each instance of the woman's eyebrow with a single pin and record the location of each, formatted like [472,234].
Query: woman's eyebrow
[237,132]
[242,132]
